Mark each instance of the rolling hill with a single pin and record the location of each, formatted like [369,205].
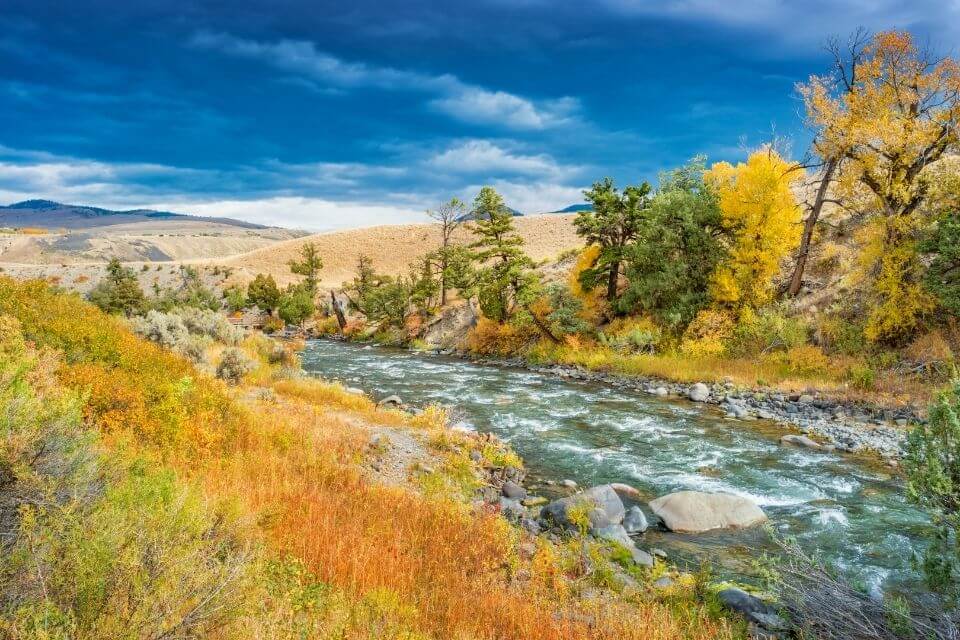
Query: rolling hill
[71,234]
[392,248]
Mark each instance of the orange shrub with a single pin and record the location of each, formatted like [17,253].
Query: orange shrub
[493,338]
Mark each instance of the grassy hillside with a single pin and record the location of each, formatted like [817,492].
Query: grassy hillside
[146,498]
[394,247]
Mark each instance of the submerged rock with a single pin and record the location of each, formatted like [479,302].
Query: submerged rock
[800,441]
[696,511]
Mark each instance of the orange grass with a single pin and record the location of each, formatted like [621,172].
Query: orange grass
[455,572]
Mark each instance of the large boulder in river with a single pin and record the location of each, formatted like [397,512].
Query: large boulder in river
[601,505]
[696,511]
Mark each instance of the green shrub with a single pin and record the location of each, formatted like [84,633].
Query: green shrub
[768,330]
[234,364]
[862,377]
[933,481]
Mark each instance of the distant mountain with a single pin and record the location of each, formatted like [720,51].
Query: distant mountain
[55,215]
[574,208]
[472,215]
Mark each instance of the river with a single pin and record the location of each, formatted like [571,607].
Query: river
[851,513]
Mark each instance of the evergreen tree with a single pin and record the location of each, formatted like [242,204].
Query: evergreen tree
[296,304]
[504,279]
[612,223]
[264,293]
[679,243]
[308,266]
[119,291]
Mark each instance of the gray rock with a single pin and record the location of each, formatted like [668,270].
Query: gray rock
[602,504]
[641,557]
[530,525]
[805,399]
[354,391]
[663,583]
[569,484]
[699,392]
[394,401]
[634,521]
[752,608]
[514,491]
[660,391]
[512,509]
[614,533]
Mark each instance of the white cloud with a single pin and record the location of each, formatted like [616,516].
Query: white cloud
[808,22]
[537,197]
[482,156]
[312,214]
[453,97]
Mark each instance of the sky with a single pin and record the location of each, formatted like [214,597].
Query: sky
[322,115]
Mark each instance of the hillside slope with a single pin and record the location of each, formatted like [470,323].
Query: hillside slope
[393,247]
[70,234]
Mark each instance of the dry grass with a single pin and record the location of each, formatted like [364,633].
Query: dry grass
[889,388]
[394,247]
[429,567]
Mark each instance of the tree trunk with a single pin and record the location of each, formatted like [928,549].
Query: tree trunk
[544,329]
[612,281]
[339,312]
[796,281]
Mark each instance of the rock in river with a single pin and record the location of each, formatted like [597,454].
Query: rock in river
[699,392]
[800,441]
[635,521]
[602,506]
[696,511]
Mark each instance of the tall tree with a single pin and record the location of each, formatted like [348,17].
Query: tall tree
[761,214]
[450,216]
[504,277]
[679,243]
[900,115]
[308,266]
[612,223]
[842,79]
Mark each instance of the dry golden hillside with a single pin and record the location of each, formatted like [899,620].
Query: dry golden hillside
[392,248]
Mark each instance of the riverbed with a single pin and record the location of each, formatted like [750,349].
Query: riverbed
[852,514]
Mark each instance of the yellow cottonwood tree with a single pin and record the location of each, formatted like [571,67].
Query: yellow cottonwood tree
[897,113]
[763,218]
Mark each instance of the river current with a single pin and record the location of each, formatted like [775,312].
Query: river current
[850,513]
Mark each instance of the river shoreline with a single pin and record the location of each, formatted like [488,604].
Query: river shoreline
[826,423]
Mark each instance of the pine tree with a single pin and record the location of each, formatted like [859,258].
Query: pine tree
[612,223]
[308,266]
[504,277]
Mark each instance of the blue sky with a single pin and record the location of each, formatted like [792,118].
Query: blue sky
[331,114]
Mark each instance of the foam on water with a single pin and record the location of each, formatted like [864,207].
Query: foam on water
[595,434]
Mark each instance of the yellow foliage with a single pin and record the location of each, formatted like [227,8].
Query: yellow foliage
[891,264]
[760,210]
[708,333]
[585,260]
